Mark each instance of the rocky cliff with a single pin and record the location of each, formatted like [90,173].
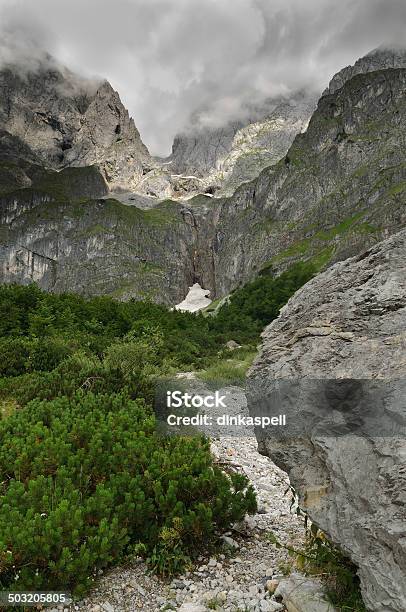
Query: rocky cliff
[218,160]
[348,323]
[69,121]
[96,247]
[378,59]
[339,189]
[223,158]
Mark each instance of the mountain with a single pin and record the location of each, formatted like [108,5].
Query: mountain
[217,160]
[224,157]
[69,121]
[339,189]
[378,59]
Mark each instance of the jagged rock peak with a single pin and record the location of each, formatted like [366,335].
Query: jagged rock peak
[223,157]
[69,120]
[382,58]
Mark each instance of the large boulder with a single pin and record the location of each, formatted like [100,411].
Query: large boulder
[348,323]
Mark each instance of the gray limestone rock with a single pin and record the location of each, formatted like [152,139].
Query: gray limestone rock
[301,594]
[339,189]
[378,59]
[348,323]
[227,156]
[67,121]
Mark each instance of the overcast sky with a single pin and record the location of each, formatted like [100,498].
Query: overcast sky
[171,58]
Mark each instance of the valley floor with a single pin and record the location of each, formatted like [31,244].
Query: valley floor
[234,582]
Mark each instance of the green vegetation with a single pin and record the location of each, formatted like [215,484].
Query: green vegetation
[231,366]
[297,249]
[86,478]
[71,182]
[249,309]
[164,213]
[338,230]
[10,176]
[322,258]
[320,557]
[396,189]
[312,247]
[68,184]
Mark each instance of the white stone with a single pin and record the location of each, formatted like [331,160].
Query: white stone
[230,542]
[192,607]
[303,594]
[272,585]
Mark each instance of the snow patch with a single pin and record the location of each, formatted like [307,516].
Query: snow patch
[195,300]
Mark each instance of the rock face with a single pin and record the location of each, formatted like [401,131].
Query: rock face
[379,59]
[96,247]
[70,121]
[218,160]
[67,121]
[349,323]
[223,158]
[339,189]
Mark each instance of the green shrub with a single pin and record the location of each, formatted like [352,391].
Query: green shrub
[19,355]
[87,480]
[78,372]
[320,557]
[14,354]
[46,355]
[258,303]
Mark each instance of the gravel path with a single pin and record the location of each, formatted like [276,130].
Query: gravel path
[236,581]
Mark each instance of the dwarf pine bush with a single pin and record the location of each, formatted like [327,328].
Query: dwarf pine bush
[86,480]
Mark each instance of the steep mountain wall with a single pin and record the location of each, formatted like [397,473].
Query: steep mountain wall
[339,189]
[237,152]
[96,247]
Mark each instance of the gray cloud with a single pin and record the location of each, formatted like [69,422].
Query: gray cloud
[170,59]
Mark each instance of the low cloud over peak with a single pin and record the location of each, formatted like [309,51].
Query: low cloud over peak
[169,59]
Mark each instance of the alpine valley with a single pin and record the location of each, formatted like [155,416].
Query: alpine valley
[308,187]
[85,208]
